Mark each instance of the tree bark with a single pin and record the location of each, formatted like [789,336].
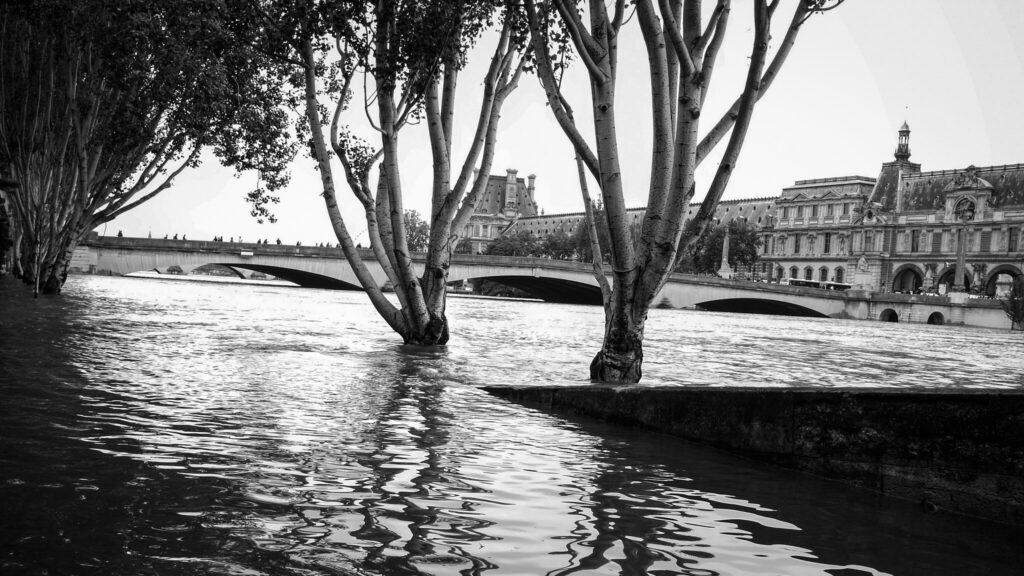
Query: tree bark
[680,80]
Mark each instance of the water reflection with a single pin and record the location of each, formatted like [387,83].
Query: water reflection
[246,431]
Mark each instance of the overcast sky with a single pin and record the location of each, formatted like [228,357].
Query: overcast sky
[954,70]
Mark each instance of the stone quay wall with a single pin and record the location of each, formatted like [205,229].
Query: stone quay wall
[960,451]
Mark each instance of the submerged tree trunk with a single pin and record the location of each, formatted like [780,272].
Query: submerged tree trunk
[421,317]
[681,52]
[621,356]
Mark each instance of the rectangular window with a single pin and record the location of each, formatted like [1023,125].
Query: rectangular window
[915,240]
[846,209]
[829,210]
[828,243]
[869,242]
[814,211]
[799,212]
[796,243]
[785,213]
[1013,239]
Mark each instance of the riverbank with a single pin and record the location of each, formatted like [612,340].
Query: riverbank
[956,450]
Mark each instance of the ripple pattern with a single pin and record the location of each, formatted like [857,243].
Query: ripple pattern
[156,427]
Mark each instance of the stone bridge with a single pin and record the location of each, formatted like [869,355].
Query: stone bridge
[551,280]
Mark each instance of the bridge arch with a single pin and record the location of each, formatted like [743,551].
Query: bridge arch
[759,306]
[300,277]
[558,290]
[889,315]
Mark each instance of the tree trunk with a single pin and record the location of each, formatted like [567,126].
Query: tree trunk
[621,357]
[435,333]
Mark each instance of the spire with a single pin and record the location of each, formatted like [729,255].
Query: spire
[903,146]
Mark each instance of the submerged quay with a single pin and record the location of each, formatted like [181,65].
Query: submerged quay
[960,451]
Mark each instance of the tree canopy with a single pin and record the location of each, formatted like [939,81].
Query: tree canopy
[418,231]
[519,243]
[103,103]
[704,256]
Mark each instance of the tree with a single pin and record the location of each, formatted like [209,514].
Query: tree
[743,247]
[681,51]
[1013,304]
[103,104]
[464,246]
[521,243]
[581,237]
[418,231]
[409,54]
[559,245]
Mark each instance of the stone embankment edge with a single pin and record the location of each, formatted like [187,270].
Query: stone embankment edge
[961,451]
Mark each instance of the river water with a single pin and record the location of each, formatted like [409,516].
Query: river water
[155,427]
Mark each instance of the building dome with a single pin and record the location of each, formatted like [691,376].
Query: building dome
[905,127]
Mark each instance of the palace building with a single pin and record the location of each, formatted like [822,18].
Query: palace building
[505,200]
[904,231]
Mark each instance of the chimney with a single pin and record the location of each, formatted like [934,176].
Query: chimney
[530,186]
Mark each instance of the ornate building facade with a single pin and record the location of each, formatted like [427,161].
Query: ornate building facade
[904,231]
[506,200]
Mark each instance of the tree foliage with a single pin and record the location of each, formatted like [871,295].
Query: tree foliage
[408,56]
[418,231]
[1013,304]
[559,245]
[519,243]
[103,103]
[704,255]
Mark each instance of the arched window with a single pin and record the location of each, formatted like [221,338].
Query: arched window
[808,273]
[823,274]
[779,273]
[794,272]
[839,274]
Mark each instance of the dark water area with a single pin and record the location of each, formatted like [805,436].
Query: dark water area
[153,427]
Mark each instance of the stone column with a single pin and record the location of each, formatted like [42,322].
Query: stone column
[724,270]
[961,260]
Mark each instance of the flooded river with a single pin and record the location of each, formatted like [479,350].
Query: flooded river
[155,427]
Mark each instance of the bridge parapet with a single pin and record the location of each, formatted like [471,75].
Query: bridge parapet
[252,249]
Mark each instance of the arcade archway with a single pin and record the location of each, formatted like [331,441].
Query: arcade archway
[993,277]
[908,279]
[946,279]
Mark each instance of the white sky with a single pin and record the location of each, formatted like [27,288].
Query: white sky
[953,69]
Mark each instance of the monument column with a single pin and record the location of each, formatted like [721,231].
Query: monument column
[724,270]
[961,259]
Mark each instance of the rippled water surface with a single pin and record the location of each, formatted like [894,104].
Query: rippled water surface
[154,427]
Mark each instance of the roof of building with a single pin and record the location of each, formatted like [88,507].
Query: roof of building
[927,190]
[643,208]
